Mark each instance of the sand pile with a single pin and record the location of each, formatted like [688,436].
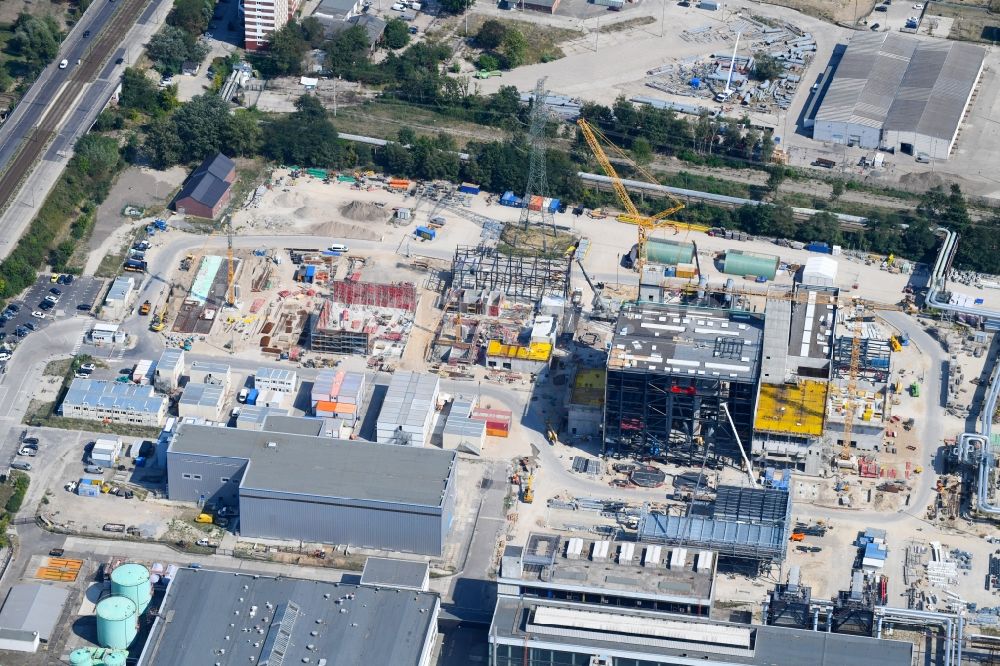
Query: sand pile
[341,229]
[288,200]
[364,211]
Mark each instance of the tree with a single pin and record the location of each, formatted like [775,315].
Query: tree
[161,145]
[347,50]
[36,39]
[312,31]
[305,136]
[514,48]
[397,34]
[192,16]
[141,94]
[96,156]
[490,34]
[200,124]
[171,46]
[641,150]
[396,159]
[487,63]
[456,6]
[6,80]
[242,135]
[837,189]
[406,136]
[776,174]
[287,49]
[767,67]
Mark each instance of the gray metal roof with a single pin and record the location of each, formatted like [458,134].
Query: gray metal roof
[120,288]
[409,401]
[274,374]
[897,82]
[170,359]
[293,425]
[33,607]
[687,341]
[207,184]
[204,395]
[257,414]
[325,467]
[935,89]
[93,393]
[386,572]
[336,8]
[664,636]
[352,624]
[210,367]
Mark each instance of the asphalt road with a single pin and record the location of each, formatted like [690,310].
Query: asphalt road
[57,91]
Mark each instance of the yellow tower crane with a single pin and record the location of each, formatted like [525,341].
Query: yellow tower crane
[644,223]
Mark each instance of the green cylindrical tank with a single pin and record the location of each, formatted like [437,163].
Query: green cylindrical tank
[738,262]
[80,657]
[132,581]
[115,659]
[668,252]
[117,621]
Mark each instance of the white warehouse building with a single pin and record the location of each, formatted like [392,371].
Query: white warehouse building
[119,296]
[900,93]
[407,413]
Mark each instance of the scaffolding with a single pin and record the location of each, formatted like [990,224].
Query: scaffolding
[398,296]
[873,363]
[747,524]
[523,277]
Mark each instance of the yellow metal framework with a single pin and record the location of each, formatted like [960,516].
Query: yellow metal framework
[594,137]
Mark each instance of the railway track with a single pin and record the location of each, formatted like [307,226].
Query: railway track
[34,145]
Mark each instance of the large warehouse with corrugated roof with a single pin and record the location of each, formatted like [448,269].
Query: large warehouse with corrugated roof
[900,93]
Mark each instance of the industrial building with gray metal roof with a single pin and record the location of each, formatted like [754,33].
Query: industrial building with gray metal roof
[318,489]
[900,93]
[288,620]
[577,632]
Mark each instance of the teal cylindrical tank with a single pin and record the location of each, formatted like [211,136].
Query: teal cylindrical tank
[738,262]
[115,659]
[668,252]
[132,581]
[80,657]
[117,622]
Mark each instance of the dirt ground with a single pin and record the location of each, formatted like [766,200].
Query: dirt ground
[142,188]
[11,9]
[839,11]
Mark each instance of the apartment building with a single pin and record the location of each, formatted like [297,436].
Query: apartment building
[263,17]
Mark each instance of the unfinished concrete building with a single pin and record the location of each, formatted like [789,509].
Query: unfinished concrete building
[795,372]
[360,315]
[671,368]
[481,273]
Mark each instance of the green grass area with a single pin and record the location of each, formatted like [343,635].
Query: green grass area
[543,40]
[971,23]
[384,119]
[627,24]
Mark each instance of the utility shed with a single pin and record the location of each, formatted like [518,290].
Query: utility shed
[106,451]
[34,608]
[318,489]
[167,375]
[119,296]
[408,409]
[738,262]
[202,401]
[300,621]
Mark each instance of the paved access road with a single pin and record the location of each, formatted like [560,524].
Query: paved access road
[56,92]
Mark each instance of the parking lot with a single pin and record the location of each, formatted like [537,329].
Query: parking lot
[73,299]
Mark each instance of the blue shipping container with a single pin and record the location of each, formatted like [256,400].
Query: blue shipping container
[252,396]
[818,247]
[424,232]
[554,205]
[468,188]
[507,196]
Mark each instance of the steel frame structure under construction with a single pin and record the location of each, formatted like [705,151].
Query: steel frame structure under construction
[520,277]
[670,370]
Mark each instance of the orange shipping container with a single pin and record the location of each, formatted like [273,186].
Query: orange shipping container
[344,408]
[399,183]
[325,407]
[536,203]
[496,432]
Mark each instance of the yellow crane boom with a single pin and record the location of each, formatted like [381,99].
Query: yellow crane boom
[594,139]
